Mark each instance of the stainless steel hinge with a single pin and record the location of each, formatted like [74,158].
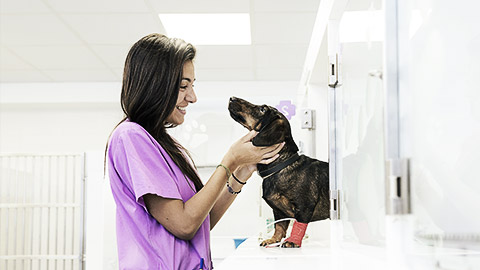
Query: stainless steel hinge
[334,70]
[335,196]
[397,187]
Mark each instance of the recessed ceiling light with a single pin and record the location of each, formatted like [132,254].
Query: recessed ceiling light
[209,29]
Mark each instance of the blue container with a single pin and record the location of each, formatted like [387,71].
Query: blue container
[238,241]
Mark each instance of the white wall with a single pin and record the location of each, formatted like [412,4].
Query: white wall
[57,117]
[315,98]
[72,117]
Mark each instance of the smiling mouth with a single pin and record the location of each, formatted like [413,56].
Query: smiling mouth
[182,109]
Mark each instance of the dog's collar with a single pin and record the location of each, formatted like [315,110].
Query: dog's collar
[269,172]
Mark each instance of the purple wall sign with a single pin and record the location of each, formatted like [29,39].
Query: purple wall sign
[287,108]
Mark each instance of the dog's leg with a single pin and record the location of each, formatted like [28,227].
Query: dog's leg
[296,237]
[280,233]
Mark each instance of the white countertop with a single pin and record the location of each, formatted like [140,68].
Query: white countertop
[319,255]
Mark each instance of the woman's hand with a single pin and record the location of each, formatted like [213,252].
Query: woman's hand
[244,153]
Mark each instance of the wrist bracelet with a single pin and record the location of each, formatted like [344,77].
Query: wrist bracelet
[229,188]
[236,179]
[226,170]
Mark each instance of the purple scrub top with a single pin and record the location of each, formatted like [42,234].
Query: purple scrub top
[138,165]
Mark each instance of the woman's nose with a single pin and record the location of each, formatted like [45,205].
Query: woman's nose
[191,97]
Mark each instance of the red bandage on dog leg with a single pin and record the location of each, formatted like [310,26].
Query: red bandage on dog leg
[298,231]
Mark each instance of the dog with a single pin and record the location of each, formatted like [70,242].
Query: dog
[294,186]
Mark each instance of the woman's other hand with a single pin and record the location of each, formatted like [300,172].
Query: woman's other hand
[244,153]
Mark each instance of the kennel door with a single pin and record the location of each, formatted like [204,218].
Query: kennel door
[41,211]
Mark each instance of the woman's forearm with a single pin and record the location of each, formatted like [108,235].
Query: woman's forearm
[183,219]
[223,203]
[226,198]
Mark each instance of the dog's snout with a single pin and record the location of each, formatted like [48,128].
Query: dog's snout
[233,105]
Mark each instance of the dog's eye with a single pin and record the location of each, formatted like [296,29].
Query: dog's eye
[263,109]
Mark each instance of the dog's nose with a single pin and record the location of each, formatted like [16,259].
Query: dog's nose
[233,99]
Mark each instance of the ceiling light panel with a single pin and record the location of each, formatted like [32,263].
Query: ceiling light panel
[209,29]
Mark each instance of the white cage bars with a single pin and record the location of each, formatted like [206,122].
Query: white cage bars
[41,211]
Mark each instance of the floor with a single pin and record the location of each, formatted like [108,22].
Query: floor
[319,255]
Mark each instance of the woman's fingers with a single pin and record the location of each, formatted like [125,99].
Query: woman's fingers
[273,150]
[271,153]
[269,160]
[249,136]
[245,153]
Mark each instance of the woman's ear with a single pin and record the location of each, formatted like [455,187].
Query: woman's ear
[274,133]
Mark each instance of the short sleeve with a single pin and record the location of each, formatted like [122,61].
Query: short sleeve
[141,165]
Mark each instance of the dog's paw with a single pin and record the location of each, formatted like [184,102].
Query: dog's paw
[268,242]
[288,244]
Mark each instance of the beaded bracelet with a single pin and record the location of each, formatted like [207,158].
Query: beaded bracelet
[236,179]
[229,188]
[226,170]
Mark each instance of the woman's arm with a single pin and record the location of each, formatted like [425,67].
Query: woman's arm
[183,219]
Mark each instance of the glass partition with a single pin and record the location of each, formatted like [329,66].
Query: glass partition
[362,150]
[359,102]
[439,67]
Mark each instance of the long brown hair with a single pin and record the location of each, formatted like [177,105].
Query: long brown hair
[151,81]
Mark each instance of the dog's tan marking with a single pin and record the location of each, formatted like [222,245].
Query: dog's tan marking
[249,120]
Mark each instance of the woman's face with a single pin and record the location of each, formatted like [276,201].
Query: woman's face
[186,95]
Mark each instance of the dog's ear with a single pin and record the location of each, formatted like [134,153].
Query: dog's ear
[272,134]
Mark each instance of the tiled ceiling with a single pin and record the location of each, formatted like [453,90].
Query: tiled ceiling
[87,40]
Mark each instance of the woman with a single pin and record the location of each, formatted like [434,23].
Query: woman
[164,212]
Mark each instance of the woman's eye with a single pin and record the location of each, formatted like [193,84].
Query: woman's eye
[183,87]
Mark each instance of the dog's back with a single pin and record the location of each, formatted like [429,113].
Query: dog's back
[300,191]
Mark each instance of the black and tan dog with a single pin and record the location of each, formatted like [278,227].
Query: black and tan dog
[295,186]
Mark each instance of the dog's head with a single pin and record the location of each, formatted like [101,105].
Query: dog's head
[272,125]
